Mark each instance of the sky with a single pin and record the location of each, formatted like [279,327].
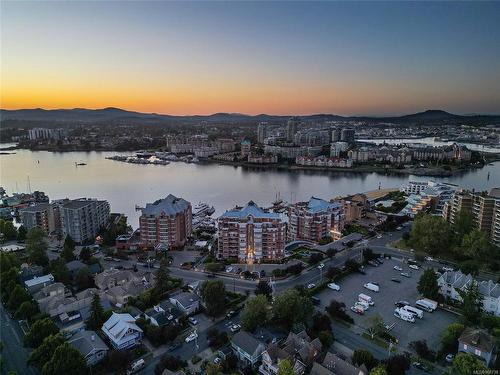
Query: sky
[347,58]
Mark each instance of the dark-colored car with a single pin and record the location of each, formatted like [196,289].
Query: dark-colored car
[316,301]
[395,280]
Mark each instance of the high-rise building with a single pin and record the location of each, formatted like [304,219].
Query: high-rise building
[40,215]
[347,135]
[251,235]
[167,222]
[45,133]
[315,219]
[336,135]
[484,207]
[246,148]
[261,132]
[82,219]
[291,128]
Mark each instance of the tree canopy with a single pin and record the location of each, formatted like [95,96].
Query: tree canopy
[39,331]
[41,355]
[66,360]
[255,313]
[428,285]
[37,246]
[291,307]
[466,364]
[430,234]
[213,296]
[285,367]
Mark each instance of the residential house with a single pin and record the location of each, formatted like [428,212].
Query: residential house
[247,348]
[301,346]
[479,343]
[55,299]
[451,282]
[272,357]
[37,283]
[334,365]
[29,272]
[186,302]
[119,285]
[90,345]
[162,314]
[122,331]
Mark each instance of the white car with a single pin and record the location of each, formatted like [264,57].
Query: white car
[413,266]
[397,268]
[191,337]
[311,286]
[379,236]
[217,360]
[235,328]
[192,320]
[334,286]
[429,259]
[405,274]
[229,269]
[321,265]
[448,269]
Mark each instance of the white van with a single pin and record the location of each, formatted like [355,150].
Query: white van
[372,287]
[414,311]
[426,304]
[404,315]
[364,298]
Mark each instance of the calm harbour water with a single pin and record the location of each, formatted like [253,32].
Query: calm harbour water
[126,185]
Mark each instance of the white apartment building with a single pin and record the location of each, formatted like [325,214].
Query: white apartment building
[83,218]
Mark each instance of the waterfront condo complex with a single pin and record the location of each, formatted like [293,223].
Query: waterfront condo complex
[166,222]
[315,219]
[251,234]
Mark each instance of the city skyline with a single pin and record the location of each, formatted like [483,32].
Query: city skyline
[277,58]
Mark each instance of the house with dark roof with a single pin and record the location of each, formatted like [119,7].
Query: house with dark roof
[186,302]
[301,345]
[479,343]
[334,365]
[90,345]
[163,314]
[272,357]
[247,348]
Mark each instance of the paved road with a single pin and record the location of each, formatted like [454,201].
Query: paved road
[14,355]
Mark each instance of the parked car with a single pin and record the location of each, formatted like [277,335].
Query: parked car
[315,300]
[235,328]
[395,280]
[311,286]
[380,260]
[397,268]
[413,266]
[262,273]
[449,357]
[321,265]
[420,366]
[373,263]
[217,360]
[449,269]
[405,274]
[192,320]
[429,259]
[136,366]
[334,286]
[379,236]
[358,310]
[230,314]
[191,337]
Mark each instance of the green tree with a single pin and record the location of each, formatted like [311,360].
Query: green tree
[290,308]
[285,367]
[379,370]
[376,325]
[7,261]
[212,369]
[85,255]
[466,364]
[66,360]
[83,278]
[37,246]
[8,230]
[449,338]
[8,278]
[59,270]
[326,338]
[41,355]
[255,313]
[476,245]
[464,224]
[428,285]
[39,331]
[163,281]
[17,297]
[68,253]
[264,288]
[469,267]
[21,233]
[430,234]
[97,316]
[364,357]
[26,310]
[213,296]
[397,364]
[471,303]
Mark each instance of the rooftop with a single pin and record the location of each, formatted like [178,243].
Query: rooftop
[171,205]
[86,342]
[477,338]
[251,209]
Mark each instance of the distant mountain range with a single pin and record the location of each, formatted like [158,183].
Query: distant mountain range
[117,115]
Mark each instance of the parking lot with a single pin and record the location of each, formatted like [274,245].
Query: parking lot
[429,328]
